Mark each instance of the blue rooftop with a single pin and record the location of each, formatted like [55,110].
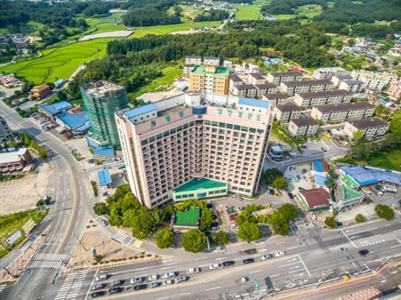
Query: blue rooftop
[253,102]
[135,112]
[56,108]
[367,176]
[320,179]
[104,177]
[74,121]
[103,152]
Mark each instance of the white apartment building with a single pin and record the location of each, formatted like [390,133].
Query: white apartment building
[309,100]
[279,77]
[303,126]
[192,144]
[277,99]
[337,79]
[285,113]
[244,90]
[342,112]
[351,85]
[328,73]
[255,78]
[371,128]
[211,61]
[304,86]
[375,81]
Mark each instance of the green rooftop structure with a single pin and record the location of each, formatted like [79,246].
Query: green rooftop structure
[198,188]
[349,181]
[188,218]
[201,69]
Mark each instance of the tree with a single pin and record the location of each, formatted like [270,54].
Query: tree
[194,241]
[331,222]
[384,211]
[360,218]
[61,95]
[100,208]
[289,211]
[280,183]
[279,223]
[220,237]
[271,174]
[358,136]
[164,238]
[249,232]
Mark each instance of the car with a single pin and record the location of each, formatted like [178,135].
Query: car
[170,275]
[153,277]
[101,277]
[215,266]
[248,260]
[267,256]
[339,224]
[244,279]
[116,290]
[140,287]
[290,195]
[194,270]
[228,263]
[98,294]
[169,282]
[209,205]
[279,253]
[181,278]
[155,284]
[324,149]
[99,286]
[363,252]
[304,147]
[104,222]
[117,282]
[214,217]
[138,279]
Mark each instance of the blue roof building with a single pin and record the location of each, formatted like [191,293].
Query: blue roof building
[105,153]
[253,102]
[143,111]
[367,175]
[104,177]
[77,122]
[53,109]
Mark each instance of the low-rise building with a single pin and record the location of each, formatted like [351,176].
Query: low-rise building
[211,61]
[342,112]
[303,126]
[5,131]
[266,88]
[279,77]
[371,128]
[337,79]
[234,79]
[304,86]
[395,90]
[351,85]
[277,99]
[375,81]
[187,219]
[316,199]
[255,78]
[311,99]
[328,73]
[15,161]
[54,109]
[244,90]
[9,80]
[39,92]
[285,113]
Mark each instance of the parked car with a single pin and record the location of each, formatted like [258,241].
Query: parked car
[181,278]
[244,279]
[138,279]
[99,286]
[117,282]
[140,287]
[155,284]
[101,277]
[153,277]
[168,282]
[116,290]
[248,260]
[104,222]
[267,257]
[98,294]
[194,270]
[228,263]
[215,266]
[363,252]
[279,253]
[290,195]
[170,275]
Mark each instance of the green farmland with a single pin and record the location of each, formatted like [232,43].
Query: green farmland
[247,12]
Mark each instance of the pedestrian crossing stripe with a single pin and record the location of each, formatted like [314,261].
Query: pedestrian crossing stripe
[71,285]
[2,287]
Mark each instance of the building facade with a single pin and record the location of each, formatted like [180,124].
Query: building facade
[209,79]
[328,73]
[303,126]
[305,86]
[101,100]
[192,136]
[287,112]
[279,77]
[15,161]
[342,112]
[5,131]
[309,100]
[371,128]
[39,92]
[395,90]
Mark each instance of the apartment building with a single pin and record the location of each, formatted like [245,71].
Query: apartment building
[244,90]
[287,112]
[255,78]
[185,146]
[311,99]
[351,85]
[328,73]
[371,128]
[375,81]
[303,126]
[234,79]
[266,88]
[190,63]
[5,131]
[337,79]
[211,61]
[39,92]
[395,90]
[277,99]
[209,78]
[279,77]
[342,112]
[304,86]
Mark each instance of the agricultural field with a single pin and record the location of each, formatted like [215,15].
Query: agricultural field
[189,12]
[109,23]
[58,62]
[309,10]
[247,12]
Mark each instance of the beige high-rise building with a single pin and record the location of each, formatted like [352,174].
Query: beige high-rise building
[194,146]
[209,79]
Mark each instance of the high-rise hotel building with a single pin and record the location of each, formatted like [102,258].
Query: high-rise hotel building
[193,146]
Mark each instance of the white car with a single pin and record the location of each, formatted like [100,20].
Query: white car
[101,277]
[153,277]
[194,270]
[266,257]
[279,253]
[168,282]
[170,275]
[138,279]
[215,266]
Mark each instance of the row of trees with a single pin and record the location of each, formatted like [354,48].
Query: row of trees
[212,15]
[149,16]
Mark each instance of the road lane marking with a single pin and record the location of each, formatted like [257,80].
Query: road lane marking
[274,275]
[185,294]
[302,261]
[289,264]
[256,271]
[395,246]
[201,258]
[213,288]
[348,238]
[89,289]
[221,258]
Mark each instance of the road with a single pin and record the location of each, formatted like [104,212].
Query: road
[64,223]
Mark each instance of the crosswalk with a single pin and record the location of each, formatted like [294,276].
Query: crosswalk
[370,243]
[2,287]
[122,238]
[48,261]
[72,285]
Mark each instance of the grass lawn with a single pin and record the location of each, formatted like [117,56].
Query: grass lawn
[283,17]
[309,10]
[390,160]
[161,83]
[247,12]
[59,62]
[110,23]
[165,29]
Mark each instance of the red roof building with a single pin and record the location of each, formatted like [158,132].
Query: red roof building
[316,199]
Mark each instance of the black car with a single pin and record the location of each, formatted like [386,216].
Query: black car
[228,263]
[98,294]
[248,260]
[363,252]
[115,290]
[140,287]
[99,286]
[290,195]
